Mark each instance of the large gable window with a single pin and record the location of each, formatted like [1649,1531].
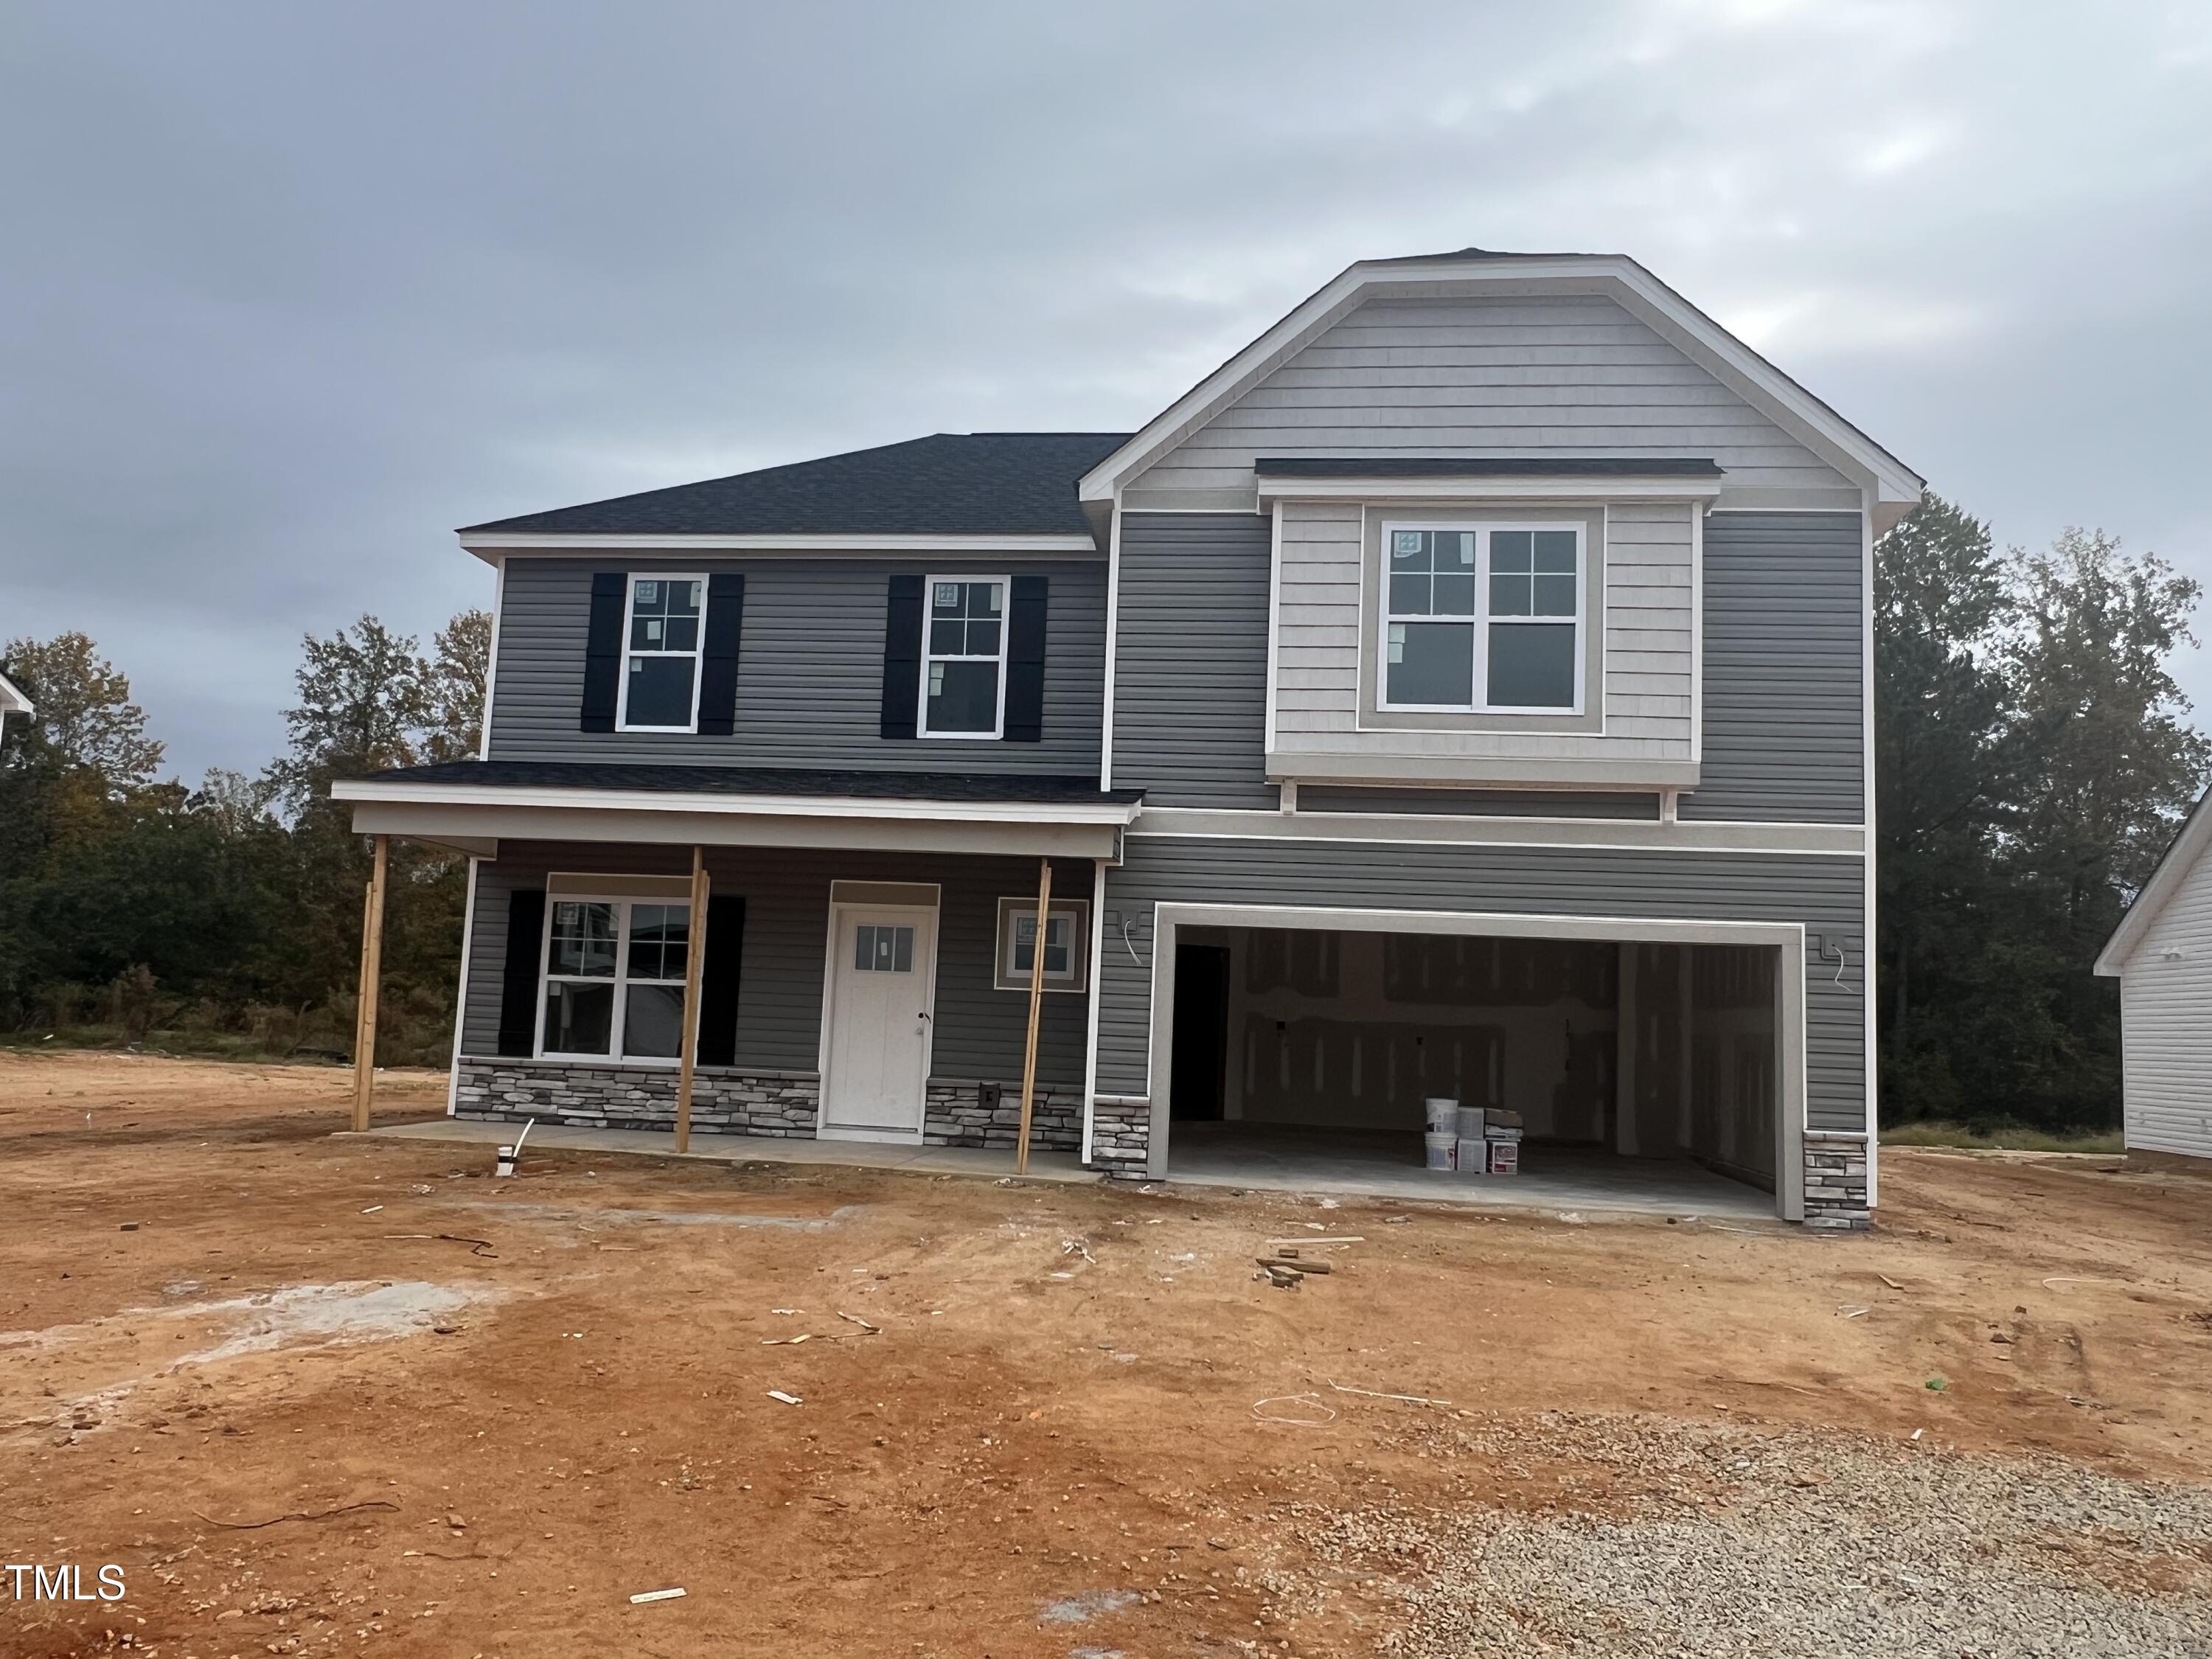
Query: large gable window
[963,660]
[660,654]
[1483,618]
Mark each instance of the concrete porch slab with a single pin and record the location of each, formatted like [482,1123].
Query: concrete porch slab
[744,1149]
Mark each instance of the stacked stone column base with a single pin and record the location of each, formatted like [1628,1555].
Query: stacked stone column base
[1835,1183]
[1120,1137]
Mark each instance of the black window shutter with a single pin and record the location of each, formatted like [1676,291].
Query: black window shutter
[718,981]
[603,649]
[518,994]
[718,655]
[902,657]
[1025,660]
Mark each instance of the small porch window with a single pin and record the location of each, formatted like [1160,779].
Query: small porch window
[660,654]
[1067,952]
[614,980]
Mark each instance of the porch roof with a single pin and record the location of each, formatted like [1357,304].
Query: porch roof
[473,805]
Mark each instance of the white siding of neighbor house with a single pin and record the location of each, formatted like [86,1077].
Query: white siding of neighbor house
[1556,376]
[2165,1019]
[1646,639]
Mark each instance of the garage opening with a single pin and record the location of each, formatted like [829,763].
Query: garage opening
[1642,1074]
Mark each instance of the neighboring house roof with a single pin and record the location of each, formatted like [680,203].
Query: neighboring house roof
[951,484]
[12,701]
[1896,487]
[1026,789]
[2182,854]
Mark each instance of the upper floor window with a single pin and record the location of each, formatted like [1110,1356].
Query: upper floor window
[1483,618]
[963,657]
[660,654]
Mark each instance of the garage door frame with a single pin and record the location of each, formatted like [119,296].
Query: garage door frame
[1788,937]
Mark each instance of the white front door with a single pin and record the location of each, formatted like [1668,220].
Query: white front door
[882,972]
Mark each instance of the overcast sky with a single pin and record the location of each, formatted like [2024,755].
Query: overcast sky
[289,291]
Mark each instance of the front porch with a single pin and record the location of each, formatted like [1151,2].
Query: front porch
[902,960]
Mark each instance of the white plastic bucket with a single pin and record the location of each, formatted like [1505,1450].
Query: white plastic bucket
[1443,1117]
[1440,1148]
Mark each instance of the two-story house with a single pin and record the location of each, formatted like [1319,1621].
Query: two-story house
[1462,691]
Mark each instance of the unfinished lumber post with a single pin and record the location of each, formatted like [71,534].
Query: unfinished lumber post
[372,975]
[1037,1007]
[694,956]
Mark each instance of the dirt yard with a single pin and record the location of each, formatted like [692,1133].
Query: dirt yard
[271,1376]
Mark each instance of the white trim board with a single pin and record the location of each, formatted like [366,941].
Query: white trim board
[1423,829]
[1389,488]
[1629,284]
[489,544]
[2188,846]
[1786,938]
[801,806]
[479,829]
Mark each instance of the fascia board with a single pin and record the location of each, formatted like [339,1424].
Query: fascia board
[2173,869]
[488,546]
[1743,370]
[793,807]
[1619,487]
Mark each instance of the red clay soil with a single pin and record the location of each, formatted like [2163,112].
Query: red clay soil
[1026,1422]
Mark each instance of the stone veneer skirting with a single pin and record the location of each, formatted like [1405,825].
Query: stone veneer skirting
[1835,1182]
[1121,1136]
[955,1115]
[724,1100]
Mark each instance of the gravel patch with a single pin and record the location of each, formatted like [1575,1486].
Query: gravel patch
[1656,1538]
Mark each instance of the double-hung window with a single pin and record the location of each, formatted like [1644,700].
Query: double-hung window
[1483,618]
[614,979]
[1066,958]
[963,657]
[660,654]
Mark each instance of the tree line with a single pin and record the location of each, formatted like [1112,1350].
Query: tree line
[2033,760]
[226,918]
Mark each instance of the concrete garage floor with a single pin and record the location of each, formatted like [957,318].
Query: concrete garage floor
[1282,1157]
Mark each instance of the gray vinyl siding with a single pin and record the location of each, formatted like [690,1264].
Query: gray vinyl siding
[1479,803]
[979,1029]
[809,667]
[1784,712]
[1190,687]
[1825,894]
[1536,376]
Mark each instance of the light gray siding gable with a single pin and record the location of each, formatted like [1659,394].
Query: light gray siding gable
[1540,375]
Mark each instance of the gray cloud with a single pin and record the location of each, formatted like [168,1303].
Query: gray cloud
[286,292]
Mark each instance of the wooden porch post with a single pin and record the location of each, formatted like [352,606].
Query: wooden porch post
[695,953]
[372,975]
[1037,1006]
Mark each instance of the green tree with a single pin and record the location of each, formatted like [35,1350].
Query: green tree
[455,678]
[364,703]
[83,708]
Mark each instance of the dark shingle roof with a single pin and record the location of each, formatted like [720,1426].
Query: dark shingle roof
[1014,788]
[953,483]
